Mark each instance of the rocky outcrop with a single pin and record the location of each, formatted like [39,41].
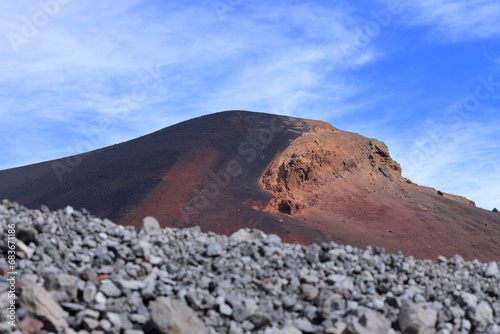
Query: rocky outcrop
[350,187]
[323,157]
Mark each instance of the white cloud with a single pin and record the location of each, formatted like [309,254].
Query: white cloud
[78,69]
[88,58]
[461,160]
[455,19]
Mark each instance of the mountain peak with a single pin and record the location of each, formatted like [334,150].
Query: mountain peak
[304,180]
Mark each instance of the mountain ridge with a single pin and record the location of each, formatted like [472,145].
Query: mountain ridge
[304,180]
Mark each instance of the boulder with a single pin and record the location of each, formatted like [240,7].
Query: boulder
[40,303]
[174,316]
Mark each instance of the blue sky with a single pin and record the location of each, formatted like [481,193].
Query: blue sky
[423,76]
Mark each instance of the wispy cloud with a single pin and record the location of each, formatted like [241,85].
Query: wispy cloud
[90,74]
[454,20]
[460,159]
[88,58]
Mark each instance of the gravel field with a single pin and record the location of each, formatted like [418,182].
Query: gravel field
[80,274]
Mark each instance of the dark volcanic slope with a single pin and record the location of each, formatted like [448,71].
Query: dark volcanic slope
[301,179]
[179,174]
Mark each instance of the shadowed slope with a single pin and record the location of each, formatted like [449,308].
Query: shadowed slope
[179,174]
[302,179]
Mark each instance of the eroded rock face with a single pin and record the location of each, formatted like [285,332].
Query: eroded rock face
[323,157]
[350,188]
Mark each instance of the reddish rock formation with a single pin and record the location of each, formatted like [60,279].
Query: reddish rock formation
[349,187]
[304,180]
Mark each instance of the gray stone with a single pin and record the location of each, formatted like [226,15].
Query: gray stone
[312,253]
[170,315]
[89,292]
[25,251]
[88,313]
[341,282]
[352,305]
[338,327]
[40,302]
[305,326]
[139,318]
[90,324]
[115,319]
[468,299]
[414,318]
[273,239]
[298,307]
[100,298]
[492,270]
[327,300]
[234,328]
[105,325]
[334,278]
[246,234]
[73,307]
[370,323]
[289,330]
[462,274]
[89,274]
[309,291]
[251,305]
[225,309]
[310,312]
[151,226]
[63,287]
[69,210]
[310,279]
[259,320]
[131,284]
[466,325]
[155,260]
[240,313]
[214,249]
[493,329]
[289,301]
[483,313]
[148,291]
[109,289]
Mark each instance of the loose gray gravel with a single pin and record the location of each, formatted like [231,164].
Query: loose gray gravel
[81,274]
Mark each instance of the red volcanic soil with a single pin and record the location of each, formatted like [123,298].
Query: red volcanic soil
[349,187]
[303,180]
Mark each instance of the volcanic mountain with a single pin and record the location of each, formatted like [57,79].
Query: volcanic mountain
[304,180]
